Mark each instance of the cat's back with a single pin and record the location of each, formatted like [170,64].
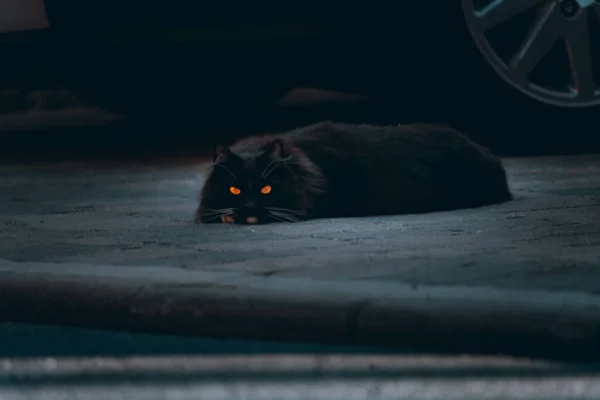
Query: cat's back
[415,141]
[403,167]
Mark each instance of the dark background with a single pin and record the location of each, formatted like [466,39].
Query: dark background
[189,74]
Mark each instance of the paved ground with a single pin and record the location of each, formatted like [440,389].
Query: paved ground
[106,225]
[549,238]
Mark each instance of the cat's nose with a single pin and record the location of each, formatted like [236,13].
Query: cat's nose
[251,204]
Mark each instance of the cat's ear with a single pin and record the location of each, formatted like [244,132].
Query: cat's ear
[220,151]
[276,149]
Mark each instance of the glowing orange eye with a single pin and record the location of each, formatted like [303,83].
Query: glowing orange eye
[266,190]
[235,190]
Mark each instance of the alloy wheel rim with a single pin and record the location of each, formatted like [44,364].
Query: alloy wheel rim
[566,21]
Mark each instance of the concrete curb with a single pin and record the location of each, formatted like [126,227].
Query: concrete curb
[552,325]
[281,376]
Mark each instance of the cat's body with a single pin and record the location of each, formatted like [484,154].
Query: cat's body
[341,170]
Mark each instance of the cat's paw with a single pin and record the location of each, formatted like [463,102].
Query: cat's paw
[227,219]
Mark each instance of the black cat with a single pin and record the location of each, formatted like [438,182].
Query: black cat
[341,170]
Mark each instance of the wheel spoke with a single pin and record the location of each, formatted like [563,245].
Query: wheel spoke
[579,49]
[585,3]
[556,22]
[500,11]
[540,39]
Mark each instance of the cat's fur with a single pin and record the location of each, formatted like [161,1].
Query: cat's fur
[342,170]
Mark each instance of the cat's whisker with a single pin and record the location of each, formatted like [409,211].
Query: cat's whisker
[221,212]
[268,170]
[281,218]
[262,176]
[282,208]
[208,215]
[217,209]
[212,218]
[215,215]
[286,217]
[286,210]
[274,161]
[266,175]
[290,214]
[276,218]
[226,169]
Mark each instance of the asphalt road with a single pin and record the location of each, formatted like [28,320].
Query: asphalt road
[548,238]
[78,240]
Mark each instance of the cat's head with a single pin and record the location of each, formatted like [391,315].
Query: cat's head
[259,181]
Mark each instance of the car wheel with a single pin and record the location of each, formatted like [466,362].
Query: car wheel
[551,27]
